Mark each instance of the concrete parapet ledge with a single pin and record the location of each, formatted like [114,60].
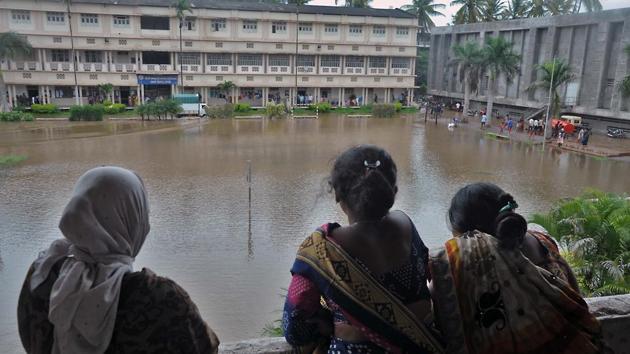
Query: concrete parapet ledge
[612,311]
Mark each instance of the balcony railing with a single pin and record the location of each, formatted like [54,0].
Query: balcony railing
[249,69]
[225,69]
[354,71]
[192,68]
[279,69]
[92,67]
[306,69]
[377,71]
[157,68]
[124,68]
[27,65]
[58,66]
[329,70]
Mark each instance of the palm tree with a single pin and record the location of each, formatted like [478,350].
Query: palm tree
[470,11]
[559,7]
[554,73]
[517,9]
[468,59]
[12,46]
[424,10]
[492,10]
[538,8]
[181,8]
[106,90]
[498,58]
[226,87]
[356,3]
[590,5]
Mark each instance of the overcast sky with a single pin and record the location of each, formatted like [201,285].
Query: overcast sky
[450,10]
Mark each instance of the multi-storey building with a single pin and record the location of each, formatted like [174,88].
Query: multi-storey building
[314,53]
[591,43]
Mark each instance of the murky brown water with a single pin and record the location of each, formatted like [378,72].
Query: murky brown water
[195,174]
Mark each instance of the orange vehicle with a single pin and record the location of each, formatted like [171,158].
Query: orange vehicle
[569,123]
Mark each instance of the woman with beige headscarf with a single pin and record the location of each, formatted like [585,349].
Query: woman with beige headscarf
[82,296]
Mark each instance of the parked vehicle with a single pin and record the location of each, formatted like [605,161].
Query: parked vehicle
[571,124]
[616,133]
[191,104]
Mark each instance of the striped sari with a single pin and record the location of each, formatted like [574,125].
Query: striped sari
[490,300]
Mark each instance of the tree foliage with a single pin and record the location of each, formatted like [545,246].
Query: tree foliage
[554,73]
[12,46]
[492,10]
[469,12]
[423,10]
[517,9]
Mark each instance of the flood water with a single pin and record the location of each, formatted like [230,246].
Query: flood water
[196,177]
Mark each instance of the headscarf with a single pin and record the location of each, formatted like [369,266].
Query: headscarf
[104,225]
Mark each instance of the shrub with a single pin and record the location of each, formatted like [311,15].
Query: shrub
[275,110]
[19,108]
[159,109]
[16,117]
[115,108]
[383,110]
[220,111]
[87,113]
[398,106]
[44,108]
[242,107]
[322,107]
[107,103]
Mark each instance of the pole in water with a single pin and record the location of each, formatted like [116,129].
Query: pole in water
[547,121]
[249,182]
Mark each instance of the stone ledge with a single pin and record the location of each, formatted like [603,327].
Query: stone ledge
[612,311]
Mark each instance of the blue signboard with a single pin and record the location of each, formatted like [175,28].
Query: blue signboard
[157,79]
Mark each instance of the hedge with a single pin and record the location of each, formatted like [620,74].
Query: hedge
[44,108]
[16,116]
[87,113]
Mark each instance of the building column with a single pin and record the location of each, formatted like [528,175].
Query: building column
[318,94]
[141,93]
[409,96]
[342,97]
[173,90]
[9,88]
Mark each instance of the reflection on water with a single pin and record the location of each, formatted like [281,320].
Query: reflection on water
[196,177]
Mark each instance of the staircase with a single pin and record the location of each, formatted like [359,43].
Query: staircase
[536,113]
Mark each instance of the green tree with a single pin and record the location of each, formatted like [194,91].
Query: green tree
[492,10]
[422,68]
[517,9]
[106,90]
[589,5]
[554,73]
[498,58]
[594,234]
[559,7]
[469,61]
[469,12]
[181,8]
[356,3]
[423,10]
[226,87]
[537,9]
[12,46]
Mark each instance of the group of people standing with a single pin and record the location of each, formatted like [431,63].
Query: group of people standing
[366,286]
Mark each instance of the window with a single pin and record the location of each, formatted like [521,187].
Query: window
[354,62]
[305,46]
[190,59]
[249,45]
[59,55]
[219,59]
[155,23]
[279,46]
[377,62]
[306,60]
[64,91]
[402,31]
[190,24]
[278,60]
[378,31]
[278,27]
[121,21]
[305,27]
[218,45]
[250,59]
[331,28]
[57,40]
[89,19]
[218,24]
[93,56]
[400,63]
[20,16]
[250,26]
[355,30]
[330,61]
[55,18]
[122,42]
[331,47]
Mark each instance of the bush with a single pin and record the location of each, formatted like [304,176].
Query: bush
[115,108]
[275,110]
[87,113]
[242,107]
[16,116]
[323,107]
[44,108]
[384,110]
[159,109]
[398,106]
[107,103]
[19,108]
[220,111]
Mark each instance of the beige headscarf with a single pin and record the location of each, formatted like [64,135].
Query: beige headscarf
[104,225]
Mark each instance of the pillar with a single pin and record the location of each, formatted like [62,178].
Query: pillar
[141,93]
[342,94]
[10,96]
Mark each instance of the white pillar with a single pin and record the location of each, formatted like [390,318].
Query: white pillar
[10,96]
[141,94]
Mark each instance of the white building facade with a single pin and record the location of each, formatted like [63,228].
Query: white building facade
[271,52]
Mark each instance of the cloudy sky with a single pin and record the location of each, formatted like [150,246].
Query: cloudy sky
[450,10]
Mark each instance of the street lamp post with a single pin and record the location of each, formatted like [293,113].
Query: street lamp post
[547,120]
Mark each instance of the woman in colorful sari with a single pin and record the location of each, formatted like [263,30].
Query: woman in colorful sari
[362,287]
[499,288]
[82,296]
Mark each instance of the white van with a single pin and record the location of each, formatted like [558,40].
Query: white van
[193,109]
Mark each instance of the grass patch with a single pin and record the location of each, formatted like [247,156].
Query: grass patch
[10,160]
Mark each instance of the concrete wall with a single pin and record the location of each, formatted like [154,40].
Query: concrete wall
[613,312]
[592,43]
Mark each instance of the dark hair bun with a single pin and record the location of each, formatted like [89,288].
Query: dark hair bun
[510,229]
[372,196]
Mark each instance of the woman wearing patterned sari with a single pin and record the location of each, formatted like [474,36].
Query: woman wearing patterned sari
[499,288]
[362,288]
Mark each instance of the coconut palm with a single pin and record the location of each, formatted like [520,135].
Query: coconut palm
[537,9]
[517,9]
[226,87]
[492,10]
[468,58]
[554,73]
[559,7]
[498,58]
[356,3]
[589,5]
[106,91]
[469,12]
[423,10]
[12,46]
[181,8]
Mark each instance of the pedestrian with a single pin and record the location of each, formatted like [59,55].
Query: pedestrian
[509,125]
[457,106]
[585,137]
[561,137]
[580,135]
[530,125]
[484,120]
[536,126]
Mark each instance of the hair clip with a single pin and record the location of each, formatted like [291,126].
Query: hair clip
[371,166]
[511,205]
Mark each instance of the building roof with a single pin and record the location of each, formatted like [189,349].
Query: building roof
[252,5]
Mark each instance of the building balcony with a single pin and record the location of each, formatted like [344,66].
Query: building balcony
[124,68]
[157,68]
[306,69]
[377,71]
[329,70]
[278,69]
[400,71]
[219,69]
[192,69]
[354,71]
[247,69]
[58,66]
[91,67]
[26,65]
